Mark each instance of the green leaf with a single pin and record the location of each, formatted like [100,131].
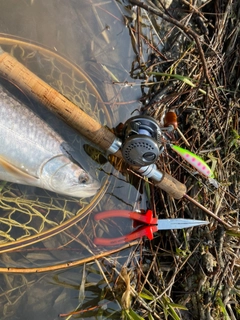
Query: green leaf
[132,315]
[146,296]
[178,306]
[233,233]
[173,313]
[223,309]
[178,77]
[150,317]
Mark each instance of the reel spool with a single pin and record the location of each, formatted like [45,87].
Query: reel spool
[141,144]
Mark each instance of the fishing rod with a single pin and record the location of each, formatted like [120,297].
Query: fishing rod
[140,143]
[103,138]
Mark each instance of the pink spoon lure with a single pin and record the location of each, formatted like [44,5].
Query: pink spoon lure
[194,160]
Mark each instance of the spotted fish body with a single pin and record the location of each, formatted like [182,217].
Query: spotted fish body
[32,153]
[194,160]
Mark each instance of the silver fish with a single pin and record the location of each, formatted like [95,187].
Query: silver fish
[32,153]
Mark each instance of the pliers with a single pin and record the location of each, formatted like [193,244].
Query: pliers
[150,226]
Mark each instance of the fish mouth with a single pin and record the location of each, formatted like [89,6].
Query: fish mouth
[87,183]
[85,189]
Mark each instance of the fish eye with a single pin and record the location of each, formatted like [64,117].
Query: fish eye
[83,179]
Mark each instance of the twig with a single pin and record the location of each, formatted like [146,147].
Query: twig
[188,32]
[226,225]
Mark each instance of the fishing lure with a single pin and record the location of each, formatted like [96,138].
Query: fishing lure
[194,160]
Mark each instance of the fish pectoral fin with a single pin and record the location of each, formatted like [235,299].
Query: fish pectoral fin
[17,172]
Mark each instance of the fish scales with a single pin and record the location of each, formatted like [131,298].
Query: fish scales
[34,143]
[31,145]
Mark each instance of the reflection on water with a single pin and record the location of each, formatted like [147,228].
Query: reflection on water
[92,35]
[82,292]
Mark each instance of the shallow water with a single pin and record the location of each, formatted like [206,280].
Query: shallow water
[93,36]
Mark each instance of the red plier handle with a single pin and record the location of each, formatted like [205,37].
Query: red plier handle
[147,230]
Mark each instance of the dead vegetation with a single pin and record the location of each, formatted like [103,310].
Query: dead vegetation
[194,274]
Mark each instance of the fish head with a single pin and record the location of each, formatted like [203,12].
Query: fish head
[61,175]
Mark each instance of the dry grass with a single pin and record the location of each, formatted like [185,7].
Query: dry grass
[194,274]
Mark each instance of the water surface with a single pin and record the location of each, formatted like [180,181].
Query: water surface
[92,35]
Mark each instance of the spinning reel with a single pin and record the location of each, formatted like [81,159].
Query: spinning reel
[141,144]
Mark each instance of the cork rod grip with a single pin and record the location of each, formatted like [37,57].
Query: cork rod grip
[32,85]
[172,186]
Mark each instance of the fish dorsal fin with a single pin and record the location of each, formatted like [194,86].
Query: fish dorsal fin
[17,173]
